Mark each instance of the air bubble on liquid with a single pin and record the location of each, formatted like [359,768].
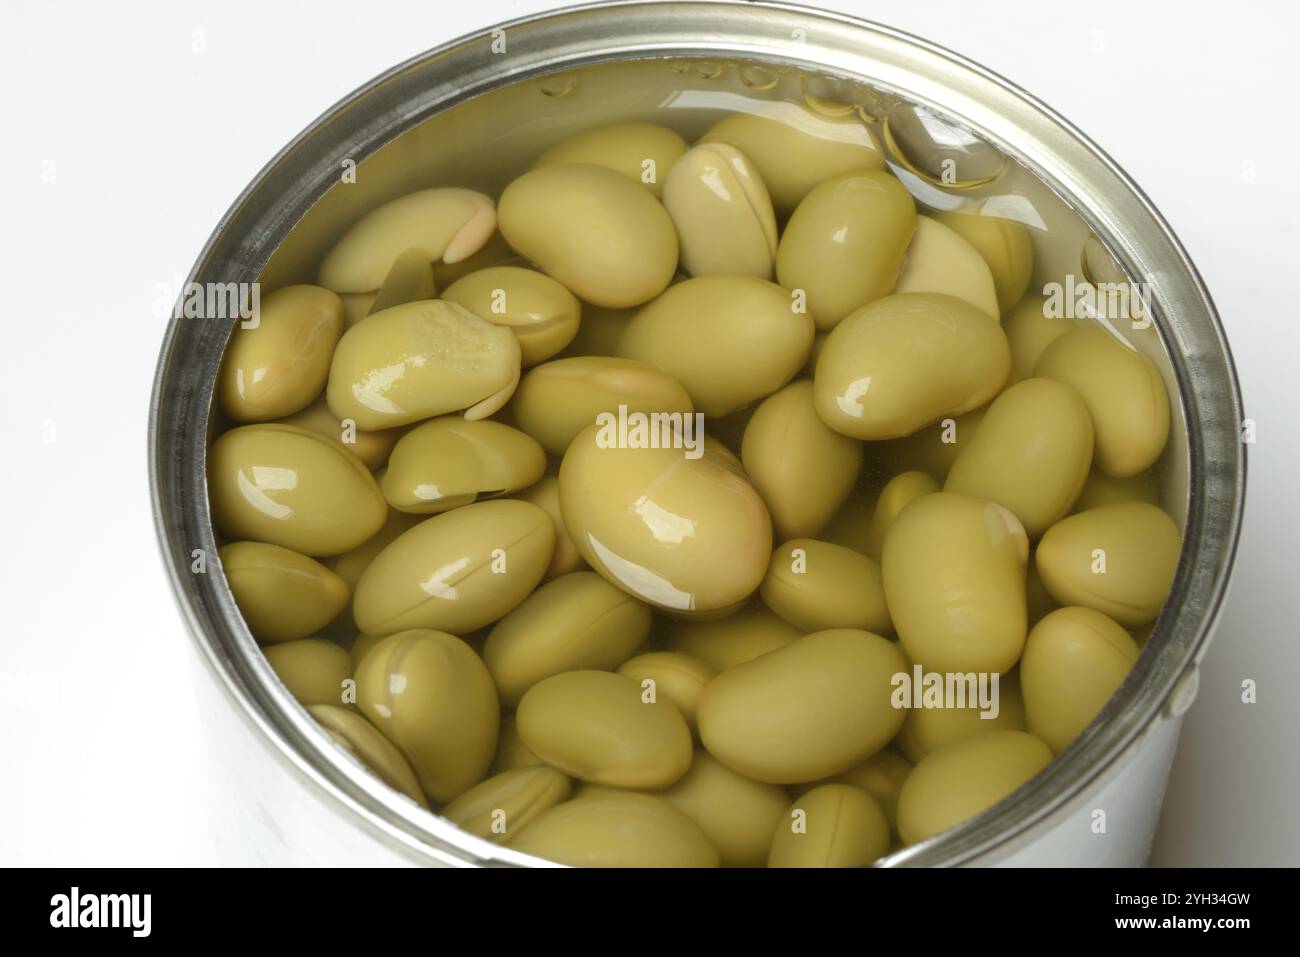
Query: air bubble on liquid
[827,96]
[938,151]
[1098,264]
[709,69]
[679,66]
[561,84]
[758,78]
[1132,321]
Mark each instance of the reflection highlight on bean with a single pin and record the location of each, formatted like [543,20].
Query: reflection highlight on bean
[604,511]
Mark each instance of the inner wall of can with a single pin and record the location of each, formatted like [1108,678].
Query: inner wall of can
[398,155]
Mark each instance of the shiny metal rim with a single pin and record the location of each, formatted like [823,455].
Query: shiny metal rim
[774,34]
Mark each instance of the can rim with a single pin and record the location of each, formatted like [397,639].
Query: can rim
[1026,129]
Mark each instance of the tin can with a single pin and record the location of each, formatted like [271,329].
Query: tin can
[283,792]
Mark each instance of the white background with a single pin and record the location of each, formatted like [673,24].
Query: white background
[127,134]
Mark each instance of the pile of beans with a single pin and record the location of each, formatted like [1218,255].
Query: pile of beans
[607,643]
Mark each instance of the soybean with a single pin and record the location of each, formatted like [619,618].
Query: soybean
[964,778]
[899,492]
[372,448]
[458,571]
[419,360]
[598,726]
[608,240]
[314,670]
[722,212]
[576,621]
[1123,392]
[688,535]
[450,461]
[443,224]
[834,825]
[282,595]
[558,399]
[747,339]
[1116,559]
[738,815]
[357,736]
[806,711]
[678,677]
[904,361]
[431,695]
[642,152]
[938,259]
[546,496]
[1074,660]
[286,486]
[803,469]
[723,643]
[819,585]
[844,244]
[543,315]
[1031,454]
[794,149]
[1005,246]
[617,830]
[504,804]
[1030,330]
[953,568]
[280,365]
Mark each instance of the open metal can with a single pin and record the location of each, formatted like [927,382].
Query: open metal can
[282,791]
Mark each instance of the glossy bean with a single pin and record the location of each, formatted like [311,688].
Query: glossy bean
[642,152]
[542,314]
[359,738]
[722,212]
[431,695]
[678,677]
[280,365]
[742,636]
[419,360]
[688,535]
[1005,246]
[897,365]
[457,571]
[898,493]
[508,802]
[794,149]
[290,487]
[844,244]
[314,670]
[450,461]
[738,815]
